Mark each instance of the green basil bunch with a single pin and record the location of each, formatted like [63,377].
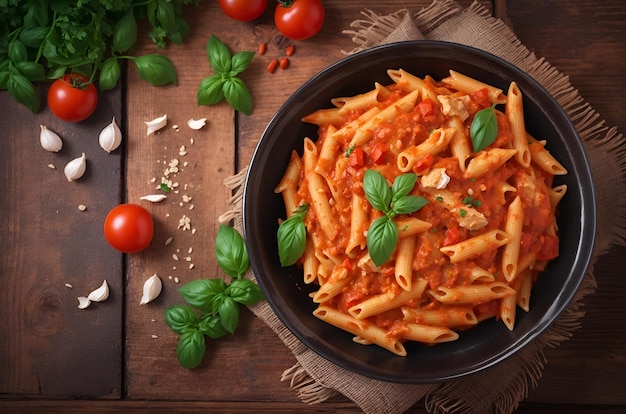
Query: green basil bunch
[225,82]
[43,40]
[213,309]
[382,235]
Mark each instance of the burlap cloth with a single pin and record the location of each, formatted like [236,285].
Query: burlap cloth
[498,389]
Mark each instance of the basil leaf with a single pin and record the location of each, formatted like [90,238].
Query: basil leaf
[17,51]
[124,33]
[382,237]
[33,71]
[23,91]
[408,204]
[240,62]
[34,36]
[219,55]
[231,252]
[211,90]
[156,69]
[201,293]
[484,128]
[217,302]
[229,314]
[165,15]
[181,319]
[245,291]
[191,349]
[402,185]
[291,239]
[237,95]
[4,79]
[109,73]
[211,326]
[376,190]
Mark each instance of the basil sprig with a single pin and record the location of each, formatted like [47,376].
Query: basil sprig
[484,128]
[292,237]
[213,309]
[225,82]
[382,235]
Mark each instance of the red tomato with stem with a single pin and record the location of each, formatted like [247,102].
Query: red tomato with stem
[72,98]
[299,19]
[129,228]
[243,10]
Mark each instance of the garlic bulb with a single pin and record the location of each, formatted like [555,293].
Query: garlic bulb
[100,294]
[75,168]
[110,137]
[196,123]
[151,289]
[154,198]
[156,124]
[50,141]
[83,302]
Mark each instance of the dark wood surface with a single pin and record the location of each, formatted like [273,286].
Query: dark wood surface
[118,355]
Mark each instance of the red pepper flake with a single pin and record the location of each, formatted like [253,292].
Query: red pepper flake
[291,49]
[262,48]
[271,67]
[284,63]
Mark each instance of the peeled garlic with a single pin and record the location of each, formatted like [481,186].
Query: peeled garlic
[154,198]
[75,168]
[50,141]
[151,289]
[100,294]
[110,137]
[196,123]
[156,124]
[83,302]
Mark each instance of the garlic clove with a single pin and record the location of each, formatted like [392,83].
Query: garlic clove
[50,140]
[100,294]
[75,168]
[156,124]
[151,289]
[110,137]
[154,198]
[196,123]
[83,302]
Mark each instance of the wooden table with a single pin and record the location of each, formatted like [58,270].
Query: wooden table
[118,355]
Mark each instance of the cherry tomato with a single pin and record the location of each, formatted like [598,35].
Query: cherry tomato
[299,19]
[243,10]
[129,228]
[71,98]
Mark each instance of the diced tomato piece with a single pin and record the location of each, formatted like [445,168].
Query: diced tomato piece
[426,107]
[357,158]
[550,248]
[347,264]
[424,163]
[452,236]
[482,97]
[377,152]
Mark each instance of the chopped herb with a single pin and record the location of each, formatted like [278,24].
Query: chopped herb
[405,228]
[164,187]
[462,213]
[439,198]
[472,201]
[349,150]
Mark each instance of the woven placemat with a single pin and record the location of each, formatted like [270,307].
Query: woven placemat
[500,388]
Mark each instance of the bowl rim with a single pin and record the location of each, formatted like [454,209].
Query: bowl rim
[581,263]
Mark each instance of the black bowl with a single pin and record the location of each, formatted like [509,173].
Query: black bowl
[482,346]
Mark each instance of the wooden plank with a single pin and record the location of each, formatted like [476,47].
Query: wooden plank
[582,40]
[201,407]
[47,242]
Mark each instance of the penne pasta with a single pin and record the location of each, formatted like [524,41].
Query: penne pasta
[466,233]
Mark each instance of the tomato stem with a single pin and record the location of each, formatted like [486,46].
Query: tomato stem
[285,3]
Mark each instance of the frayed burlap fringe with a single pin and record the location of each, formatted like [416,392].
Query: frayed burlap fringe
[500,388]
